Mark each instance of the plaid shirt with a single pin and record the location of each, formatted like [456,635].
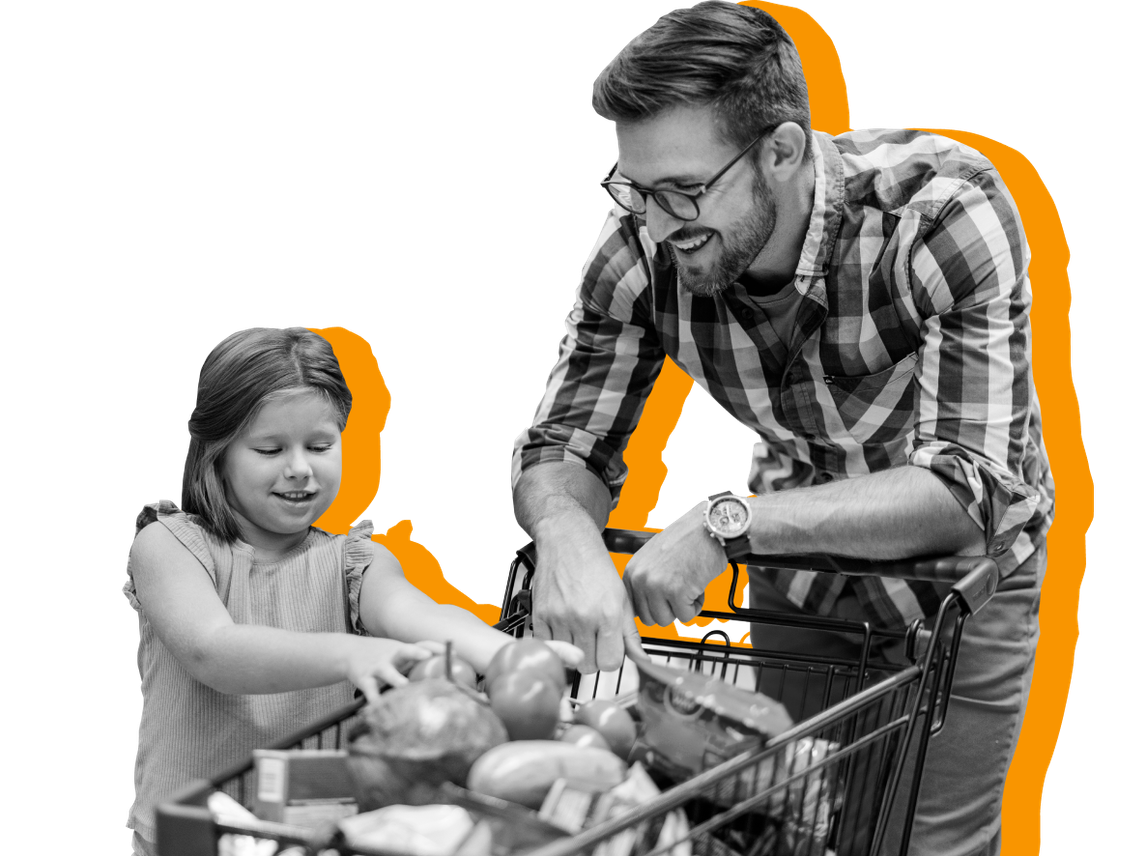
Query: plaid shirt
[911,347]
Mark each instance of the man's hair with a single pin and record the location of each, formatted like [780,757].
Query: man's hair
[242,373]
[734,58]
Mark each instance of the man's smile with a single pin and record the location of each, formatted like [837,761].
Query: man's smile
[690,245]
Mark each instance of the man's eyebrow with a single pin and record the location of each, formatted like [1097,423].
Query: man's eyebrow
[680,180]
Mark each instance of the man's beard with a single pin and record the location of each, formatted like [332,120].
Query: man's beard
[739,247]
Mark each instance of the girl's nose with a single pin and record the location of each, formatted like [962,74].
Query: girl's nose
[298,465]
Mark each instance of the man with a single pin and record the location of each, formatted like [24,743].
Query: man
[861,302]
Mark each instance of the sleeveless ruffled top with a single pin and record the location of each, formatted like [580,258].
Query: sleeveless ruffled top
[189,731]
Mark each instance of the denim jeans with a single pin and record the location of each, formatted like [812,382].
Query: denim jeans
[959,809]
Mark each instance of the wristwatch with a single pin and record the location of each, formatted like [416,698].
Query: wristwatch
[727,519]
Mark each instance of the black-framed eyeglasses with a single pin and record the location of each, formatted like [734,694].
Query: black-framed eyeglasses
[676,203]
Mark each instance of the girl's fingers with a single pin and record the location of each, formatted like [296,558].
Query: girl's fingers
[407,655]
[570,654]
[369,688]
[388,673]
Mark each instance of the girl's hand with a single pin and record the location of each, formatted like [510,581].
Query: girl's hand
[377,663]
[570,654]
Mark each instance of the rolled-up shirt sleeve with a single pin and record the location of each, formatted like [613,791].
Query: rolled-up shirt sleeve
[607,363]
[976,393]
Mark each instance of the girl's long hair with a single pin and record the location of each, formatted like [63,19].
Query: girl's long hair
[241,374]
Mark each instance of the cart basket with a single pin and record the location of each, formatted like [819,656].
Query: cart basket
[843,779]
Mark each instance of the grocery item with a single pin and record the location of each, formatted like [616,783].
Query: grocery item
[612,721]
[528,654]
[523,771]
[583,735]
[501,827]
[811,800]
[303,787]
[693,721]
[668,836]
[458,671]
[574,808]
[429,830]
[415,737]
[527,703]
[225,809]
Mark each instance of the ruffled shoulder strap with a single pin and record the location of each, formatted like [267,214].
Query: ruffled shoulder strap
[357,554]
[180,524]
[151,510]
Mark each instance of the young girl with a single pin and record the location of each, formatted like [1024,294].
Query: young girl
[252,622]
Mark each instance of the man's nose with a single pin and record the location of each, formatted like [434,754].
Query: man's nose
[659,222]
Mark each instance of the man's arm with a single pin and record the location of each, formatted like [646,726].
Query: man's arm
[568,466]
[559,495]
[894,514]
[976,401]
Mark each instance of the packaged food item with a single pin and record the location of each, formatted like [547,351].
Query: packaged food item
[807,805]
[225,809]
[802,788]
[693,721]
[427,830]
[303,787]
[501,827]
[574,807]
[668,835]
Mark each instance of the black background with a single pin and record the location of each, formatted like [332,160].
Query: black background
[428,180]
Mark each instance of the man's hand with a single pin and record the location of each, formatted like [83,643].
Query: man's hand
[578,597]
[667,577]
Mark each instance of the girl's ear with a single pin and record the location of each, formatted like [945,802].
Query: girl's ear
[784,151]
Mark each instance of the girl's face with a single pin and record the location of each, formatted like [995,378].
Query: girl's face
[284,471]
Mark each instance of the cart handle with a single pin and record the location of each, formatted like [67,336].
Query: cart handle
[973,578]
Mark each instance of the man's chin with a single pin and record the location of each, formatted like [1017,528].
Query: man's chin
[702,284]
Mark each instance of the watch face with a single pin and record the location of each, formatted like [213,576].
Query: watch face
[728,516]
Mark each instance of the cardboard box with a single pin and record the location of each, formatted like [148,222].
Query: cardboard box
[303,787]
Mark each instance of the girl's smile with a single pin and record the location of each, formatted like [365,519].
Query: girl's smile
[284,471]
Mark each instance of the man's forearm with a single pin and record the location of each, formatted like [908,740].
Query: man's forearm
[561,495]
[894,514]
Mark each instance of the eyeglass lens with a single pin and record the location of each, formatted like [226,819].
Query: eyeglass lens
[678,205]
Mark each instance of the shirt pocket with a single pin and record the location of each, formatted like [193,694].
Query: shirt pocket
[877,408]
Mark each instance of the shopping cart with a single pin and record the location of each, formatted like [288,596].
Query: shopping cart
[844,780]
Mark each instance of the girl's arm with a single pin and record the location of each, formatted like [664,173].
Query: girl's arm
[390,606]
[180,601]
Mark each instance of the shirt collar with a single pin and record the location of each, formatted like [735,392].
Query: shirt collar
[827,205]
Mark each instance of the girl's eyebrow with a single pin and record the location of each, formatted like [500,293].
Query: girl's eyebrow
[275,436]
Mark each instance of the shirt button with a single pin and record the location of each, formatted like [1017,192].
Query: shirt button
[996,549]
[745,314]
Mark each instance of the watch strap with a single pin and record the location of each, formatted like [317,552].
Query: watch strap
[736,547]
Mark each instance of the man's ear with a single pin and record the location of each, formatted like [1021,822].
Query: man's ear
[784,151]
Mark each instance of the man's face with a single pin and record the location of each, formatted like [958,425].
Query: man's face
[680,150]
